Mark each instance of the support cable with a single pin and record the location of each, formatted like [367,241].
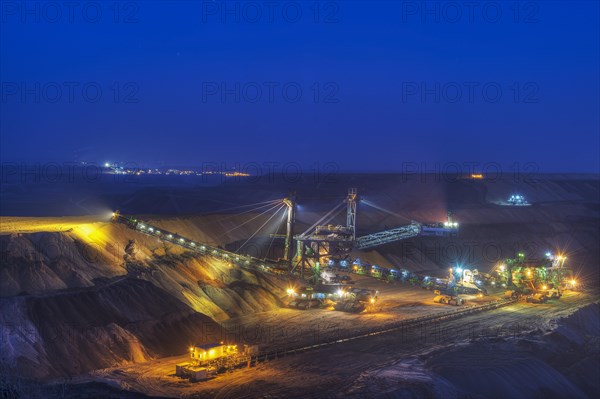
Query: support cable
[251,219]
[263,225]
[242,213]
[248,205]
[273,238]
[329,215]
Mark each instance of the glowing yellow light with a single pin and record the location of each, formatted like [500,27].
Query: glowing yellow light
[290,291]
[191,349]
[372,300]
[544,287]
[476,176]
[573,282]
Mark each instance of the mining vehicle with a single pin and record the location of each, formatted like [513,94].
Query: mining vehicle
[512,294]
[350,306]
[454,300]
[537,298]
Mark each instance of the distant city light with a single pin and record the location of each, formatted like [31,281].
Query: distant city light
[138,171]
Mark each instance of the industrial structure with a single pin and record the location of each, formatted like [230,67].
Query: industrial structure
[517,200]
[209,359]
[321,244]
[324,248]
[535,279]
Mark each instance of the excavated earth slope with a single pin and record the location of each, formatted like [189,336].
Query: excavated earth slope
[80,293]
[73,300]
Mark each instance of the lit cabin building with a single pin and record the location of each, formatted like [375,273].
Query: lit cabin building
[205,353]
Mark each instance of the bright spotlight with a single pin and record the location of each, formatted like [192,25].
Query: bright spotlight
[340,292]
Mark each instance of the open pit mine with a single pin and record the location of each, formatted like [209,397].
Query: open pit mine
[368,285]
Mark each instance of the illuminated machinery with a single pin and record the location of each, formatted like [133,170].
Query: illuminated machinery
[448,228]
[208,359]
[323,241]
[355,300]
[517,200]
[534,275]
[326,242]
[463,281]
[215,354]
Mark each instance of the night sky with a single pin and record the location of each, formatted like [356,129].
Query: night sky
[366,85]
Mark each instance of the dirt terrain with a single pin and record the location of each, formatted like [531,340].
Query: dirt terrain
[444,360]
[89,307]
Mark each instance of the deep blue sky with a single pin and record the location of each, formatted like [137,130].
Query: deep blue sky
[371,57]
